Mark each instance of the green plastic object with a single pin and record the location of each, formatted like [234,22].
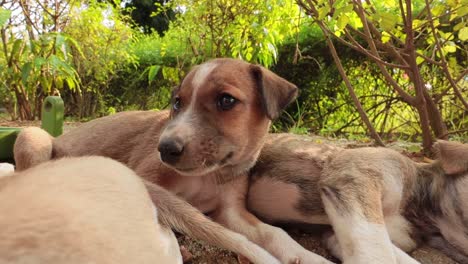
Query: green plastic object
[52,122]
[7,140]
[52,115]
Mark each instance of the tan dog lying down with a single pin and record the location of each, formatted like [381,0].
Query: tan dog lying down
[81,210]
[372,196]
[200,151]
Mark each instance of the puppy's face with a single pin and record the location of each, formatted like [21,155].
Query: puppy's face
[220,115]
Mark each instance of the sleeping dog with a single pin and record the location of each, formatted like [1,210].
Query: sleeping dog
[380,203]
[80,210]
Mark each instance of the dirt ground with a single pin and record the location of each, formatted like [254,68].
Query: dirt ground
[205,254]
[309,237]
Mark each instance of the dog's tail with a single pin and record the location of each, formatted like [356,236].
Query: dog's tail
[184,218]
[32,146]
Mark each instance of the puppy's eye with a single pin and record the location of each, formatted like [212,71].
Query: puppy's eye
[226,102]
[177,104]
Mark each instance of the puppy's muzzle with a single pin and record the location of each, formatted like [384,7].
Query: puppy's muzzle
[171,150]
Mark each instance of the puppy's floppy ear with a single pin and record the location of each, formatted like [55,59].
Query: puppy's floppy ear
[453,156]
[275,92]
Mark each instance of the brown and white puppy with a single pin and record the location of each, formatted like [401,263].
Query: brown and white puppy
[379,202]
[81,210]
[201,151]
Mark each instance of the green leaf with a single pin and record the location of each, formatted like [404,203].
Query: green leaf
[462,11]
[348,8]
[16,51]
[323,12]
[438,10]
[342,21]
[450,47]
[419,60]
[463,34]
[59,83]
[417,23]
[75,44]
[4,16]
[25,71]
[38,62]
[458,26]
[71,83]
[355,21]
[153,70]
[388,21]
[385,37]
[452,3]
[389,3]
[45,83]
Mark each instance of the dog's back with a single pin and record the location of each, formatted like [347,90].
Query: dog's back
[80,210]
[114,136]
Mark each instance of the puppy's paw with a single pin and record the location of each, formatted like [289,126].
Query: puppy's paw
[331,243]
[287,250]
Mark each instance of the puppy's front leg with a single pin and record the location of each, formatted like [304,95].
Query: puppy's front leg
[234,215]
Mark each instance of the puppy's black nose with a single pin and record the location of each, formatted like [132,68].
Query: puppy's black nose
[170,150]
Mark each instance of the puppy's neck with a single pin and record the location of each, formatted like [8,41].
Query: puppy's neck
[230,172]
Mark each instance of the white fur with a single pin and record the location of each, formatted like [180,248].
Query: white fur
[361,241]
[200,75]
[168,240]
[273,239]
[169,244]
[334,246]
[402,257]
[399,230]
[280,242]
[6,169]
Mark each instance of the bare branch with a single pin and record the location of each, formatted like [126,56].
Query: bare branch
[406,97]
[377,59]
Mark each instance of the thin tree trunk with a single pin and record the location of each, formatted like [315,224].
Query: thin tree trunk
[435,118]
[415,76]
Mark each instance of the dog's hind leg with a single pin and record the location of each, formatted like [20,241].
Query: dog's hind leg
[32,146]
[359,224]
[333,245]
[357,219]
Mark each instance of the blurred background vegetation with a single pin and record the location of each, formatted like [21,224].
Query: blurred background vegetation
[406,61]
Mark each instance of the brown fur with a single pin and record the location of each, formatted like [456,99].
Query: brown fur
[80,210]
[208,152]
[377,183]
